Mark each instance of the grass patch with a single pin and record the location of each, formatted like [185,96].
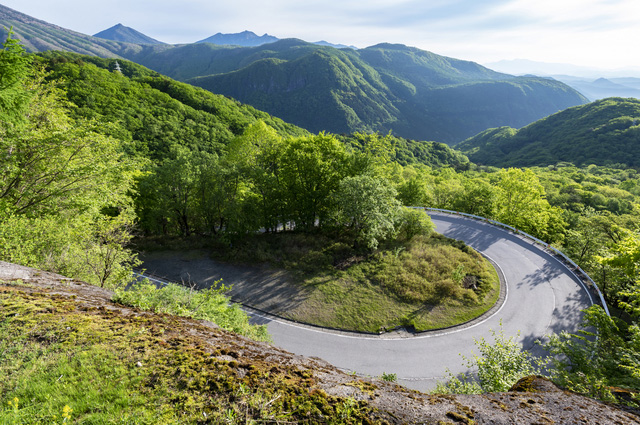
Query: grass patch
[429,282]
[64,362]
[208,304]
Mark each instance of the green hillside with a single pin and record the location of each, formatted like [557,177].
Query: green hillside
[605,132]
[152,112]
[326,89]
[413,93]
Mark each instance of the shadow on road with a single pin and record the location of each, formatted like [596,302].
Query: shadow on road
[541,276]
[260,287]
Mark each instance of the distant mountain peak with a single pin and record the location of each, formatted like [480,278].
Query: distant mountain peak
[245,39]
[337,46]
[125,34]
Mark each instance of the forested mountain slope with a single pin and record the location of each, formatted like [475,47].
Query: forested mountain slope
[151,112]
[604,132]
[413,93]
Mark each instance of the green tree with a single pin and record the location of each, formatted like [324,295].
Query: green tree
[477,197]
[521,203]
[368,207]
[172,187]
[414,192]
[445,188]
[63,187]
[257,156]
[311,170]
[412,222]
[15,66]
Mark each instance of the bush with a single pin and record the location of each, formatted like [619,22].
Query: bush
[499,365]
[412,222]
[207,304]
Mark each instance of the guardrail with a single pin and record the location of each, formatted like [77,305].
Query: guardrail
[566,259]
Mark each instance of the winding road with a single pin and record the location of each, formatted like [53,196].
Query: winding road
[542,297]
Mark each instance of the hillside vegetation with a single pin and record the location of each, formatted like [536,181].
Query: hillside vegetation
[413,93]
[149,112]
[605,132]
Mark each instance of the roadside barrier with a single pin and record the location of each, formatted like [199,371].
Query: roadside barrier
[568,262]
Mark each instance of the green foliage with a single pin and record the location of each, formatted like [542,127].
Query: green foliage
[14,69]
[412,222]
[499,365]
[81,246]
[205,304]
[479,197]
[369,207]
[64,191]
[311,170]
[592,362]
[604,132]
[502,363]
[520,202]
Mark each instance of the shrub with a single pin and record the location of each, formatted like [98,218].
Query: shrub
[207,304]
[412,222]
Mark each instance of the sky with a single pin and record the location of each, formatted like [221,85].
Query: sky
[595,33]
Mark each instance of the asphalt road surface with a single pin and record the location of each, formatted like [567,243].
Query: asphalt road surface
[542,297]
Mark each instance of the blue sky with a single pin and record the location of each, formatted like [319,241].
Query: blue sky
[596,33]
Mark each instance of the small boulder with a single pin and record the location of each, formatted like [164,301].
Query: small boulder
[534,384]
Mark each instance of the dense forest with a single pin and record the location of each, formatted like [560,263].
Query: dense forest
[414,93]
[93,152]
[605,132]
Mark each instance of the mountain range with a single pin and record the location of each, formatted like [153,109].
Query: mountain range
[594,83]
[245,39]
[384,88]
[413,93]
